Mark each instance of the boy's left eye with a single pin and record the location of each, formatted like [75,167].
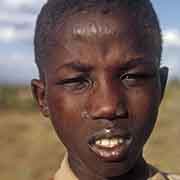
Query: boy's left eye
[135,79]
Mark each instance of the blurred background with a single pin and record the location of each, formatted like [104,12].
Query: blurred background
[29,149]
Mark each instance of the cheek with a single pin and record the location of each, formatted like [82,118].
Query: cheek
[143,108]
[65,114]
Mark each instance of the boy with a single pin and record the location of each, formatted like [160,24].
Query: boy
[100,84]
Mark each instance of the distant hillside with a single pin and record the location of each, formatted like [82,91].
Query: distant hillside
[16,97]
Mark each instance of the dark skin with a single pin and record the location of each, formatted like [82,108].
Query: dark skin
[112,76]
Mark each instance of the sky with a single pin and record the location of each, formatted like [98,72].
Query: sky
[17,23]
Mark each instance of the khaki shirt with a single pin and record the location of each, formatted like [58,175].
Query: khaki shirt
[65,173]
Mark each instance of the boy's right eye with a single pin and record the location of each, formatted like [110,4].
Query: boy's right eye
[75,84]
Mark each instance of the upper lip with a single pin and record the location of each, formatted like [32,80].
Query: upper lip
[109,133]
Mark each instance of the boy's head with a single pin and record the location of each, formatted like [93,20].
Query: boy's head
[100,80]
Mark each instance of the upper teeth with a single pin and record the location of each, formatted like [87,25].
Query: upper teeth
[109,143]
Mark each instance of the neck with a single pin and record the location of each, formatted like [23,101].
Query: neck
[140,171]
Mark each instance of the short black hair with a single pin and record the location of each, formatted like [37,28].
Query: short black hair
[54,11]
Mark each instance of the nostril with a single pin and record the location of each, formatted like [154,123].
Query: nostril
[122,113]
[105,112]
[111,111]
[112,115]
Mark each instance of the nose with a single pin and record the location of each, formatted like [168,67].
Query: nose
[107,102]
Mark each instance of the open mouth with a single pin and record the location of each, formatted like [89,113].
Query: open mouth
[110,144]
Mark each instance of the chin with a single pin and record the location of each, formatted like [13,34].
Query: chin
[113,169]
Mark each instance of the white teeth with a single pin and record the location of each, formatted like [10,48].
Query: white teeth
[109,143]
[113,142]
[98,142]
[105,142]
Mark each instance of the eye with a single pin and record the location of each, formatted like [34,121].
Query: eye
[75,83]
[136,79]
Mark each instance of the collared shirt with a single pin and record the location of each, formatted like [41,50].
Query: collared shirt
[65,173]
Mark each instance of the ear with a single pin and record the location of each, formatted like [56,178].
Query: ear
[38,90]
[163,79]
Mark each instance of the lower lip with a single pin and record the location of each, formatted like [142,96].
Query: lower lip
[117,153]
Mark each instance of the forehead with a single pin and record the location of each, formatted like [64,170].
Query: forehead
[89,32]
[95,23]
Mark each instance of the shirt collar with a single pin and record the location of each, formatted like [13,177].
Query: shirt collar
[65,171]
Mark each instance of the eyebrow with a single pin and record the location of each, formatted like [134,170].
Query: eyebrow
[77,66]
[133,62]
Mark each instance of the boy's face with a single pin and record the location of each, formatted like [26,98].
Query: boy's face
[102,89]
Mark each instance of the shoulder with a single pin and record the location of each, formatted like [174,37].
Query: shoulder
[173,176]
[156,174]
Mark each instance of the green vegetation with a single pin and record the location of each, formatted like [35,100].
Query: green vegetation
[16,98]
[30,149]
